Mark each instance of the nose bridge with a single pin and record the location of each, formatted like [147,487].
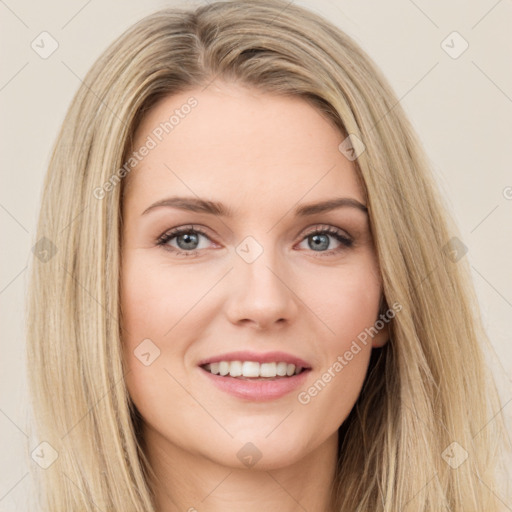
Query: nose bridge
[262,294]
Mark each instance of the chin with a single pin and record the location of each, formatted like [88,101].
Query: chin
[254,451]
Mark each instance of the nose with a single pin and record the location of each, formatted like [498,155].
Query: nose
[261,293]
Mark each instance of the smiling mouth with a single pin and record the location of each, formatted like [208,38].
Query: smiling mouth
[252,370]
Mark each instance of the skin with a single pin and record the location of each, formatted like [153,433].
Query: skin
[261,155]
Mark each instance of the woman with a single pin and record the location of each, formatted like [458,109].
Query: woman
[249,294]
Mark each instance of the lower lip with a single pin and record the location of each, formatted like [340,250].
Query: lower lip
[257,390]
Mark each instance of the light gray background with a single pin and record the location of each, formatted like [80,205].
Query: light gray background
[461,108]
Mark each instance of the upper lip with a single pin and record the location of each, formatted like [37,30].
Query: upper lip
[266,357]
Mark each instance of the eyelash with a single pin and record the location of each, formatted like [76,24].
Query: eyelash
[169,235]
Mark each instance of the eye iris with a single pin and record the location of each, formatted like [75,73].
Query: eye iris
[318,243]
[189,238]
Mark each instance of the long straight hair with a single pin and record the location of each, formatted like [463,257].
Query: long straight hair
[428,396]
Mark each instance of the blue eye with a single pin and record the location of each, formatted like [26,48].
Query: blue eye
[320,240]
[187,239]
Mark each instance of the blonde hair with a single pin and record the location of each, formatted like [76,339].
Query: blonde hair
[426,389]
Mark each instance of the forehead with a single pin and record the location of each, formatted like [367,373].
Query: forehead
[242,146]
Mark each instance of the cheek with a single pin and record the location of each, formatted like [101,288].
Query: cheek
[348,307]
[348,302]
[157,305]
[154,297]
[145,304]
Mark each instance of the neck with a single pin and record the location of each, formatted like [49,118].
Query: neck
[186,481]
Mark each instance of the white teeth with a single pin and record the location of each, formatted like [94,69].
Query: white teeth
[235,369]
[253,369]
[268,370]
[281,369]
[223,368]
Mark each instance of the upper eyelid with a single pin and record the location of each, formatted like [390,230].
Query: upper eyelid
[318,227]
[325,227]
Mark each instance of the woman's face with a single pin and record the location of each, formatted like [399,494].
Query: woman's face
[257,275]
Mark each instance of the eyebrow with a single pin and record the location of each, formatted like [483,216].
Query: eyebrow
[195,204]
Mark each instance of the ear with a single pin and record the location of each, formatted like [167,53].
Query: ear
[381,338]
